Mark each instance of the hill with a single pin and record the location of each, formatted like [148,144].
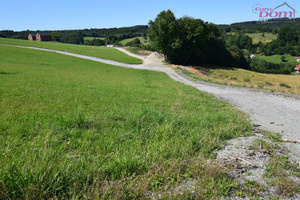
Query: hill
[95,51]
[256,26]
[77,129]
[142,40]
[262,37]
[122,33]
[141,30]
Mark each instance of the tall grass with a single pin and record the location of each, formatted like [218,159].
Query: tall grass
[246,78]
[72,128]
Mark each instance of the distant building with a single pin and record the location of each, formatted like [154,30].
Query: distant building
[43,37]
[40,36]
[298,60]
[32,36]
[110,45]
[252,56]
[297,68]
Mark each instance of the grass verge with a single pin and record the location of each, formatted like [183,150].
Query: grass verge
[289,84]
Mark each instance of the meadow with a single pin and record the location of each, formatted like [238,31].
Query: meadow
[277,59]
[93,38]
[142,39]
[289,84]
[95,51]
[262,37]
[76,129]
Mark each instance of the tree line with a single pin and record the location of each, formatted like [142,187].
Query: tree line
[287,42]
[189,41]
[271,25]
[76,36]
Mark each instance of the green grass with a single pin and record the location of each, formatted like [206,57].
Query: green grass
[100,52]
[258,37]
[75,129]
[277,58]
[92,38]
[279,171]
[134,50]
[142,39]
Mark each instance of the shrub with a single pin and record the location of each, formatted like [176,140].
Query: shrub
[284,85]
[260,85]
[247,80]
[283,59]
[268,84]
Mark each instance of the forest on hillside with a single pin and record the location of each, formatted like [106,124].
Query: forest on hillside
[223,44]
[76,36]
[272,25]
[118,34]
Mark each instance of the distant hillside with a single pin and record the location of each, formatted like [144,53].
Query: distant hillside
[141,30]
[256,26]
[123,32]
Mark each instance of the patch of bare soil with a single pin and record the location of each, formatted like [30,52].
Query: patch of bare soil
[246,159]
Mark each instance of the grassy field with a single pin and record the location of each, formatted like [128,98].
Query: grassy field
[277,58]
[258,37]
[245,78]
[138,51]
[100,52]
[142,39]
[92,38]
[77,129]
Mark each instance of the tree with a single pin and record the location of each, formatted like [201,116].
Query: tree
[162,32]
[55,36]
[283,59]
[287,35]
[72,38]
[189,41]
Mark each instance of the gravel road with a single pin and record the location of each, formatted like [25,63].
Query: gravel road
[269,111]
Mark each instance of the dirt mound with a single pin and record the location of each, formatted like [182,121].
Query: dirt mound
[154,59]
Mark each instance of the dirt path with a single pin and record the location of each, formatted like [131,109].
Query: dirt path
[269,111]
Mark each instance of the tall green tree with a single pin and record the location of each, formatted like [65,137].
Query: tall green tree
[162,32]
[188,41]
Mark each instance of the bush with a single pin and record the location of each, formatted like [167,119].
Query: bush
[268,84]
[260,85]
[283,59]
[263,66]
[247,80]
[284,85]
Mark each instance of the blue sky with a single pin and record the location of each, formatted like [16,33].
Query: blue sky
[79,14]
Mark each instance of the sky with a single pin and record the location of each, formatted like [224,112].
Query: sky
[21,15]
